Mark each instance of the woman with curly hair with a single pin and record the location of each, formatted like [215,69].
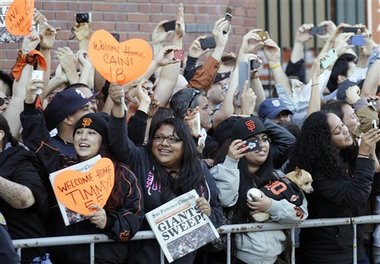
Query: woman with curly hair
[342,177]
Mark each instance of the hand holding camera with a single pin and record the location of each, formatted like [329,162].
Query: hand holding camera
[227,17]
[160,34]
[237,149]
[304,33]
[252,42]
[166,56]
[219,37]
[272,52]
[82,28]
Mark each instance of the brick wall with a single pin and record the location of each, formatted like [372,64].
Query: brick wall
[136,19]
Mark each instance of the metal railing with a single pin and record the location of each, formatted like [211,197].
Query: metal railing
[226,229]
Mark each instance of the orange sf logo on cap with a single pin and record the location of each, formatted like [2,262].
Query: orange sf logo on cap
[250,125]
[86,122]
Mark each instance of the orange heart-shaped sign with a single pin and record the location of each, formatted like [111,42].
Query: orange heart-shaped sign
[19,17]
[119,62]
[78,190]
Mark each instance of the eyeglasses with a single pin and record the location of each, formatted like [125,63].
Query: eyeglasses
[195,93]
[169,139]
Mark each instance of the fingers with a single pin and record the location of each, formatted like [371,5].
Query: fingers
[237,149]
[203,206]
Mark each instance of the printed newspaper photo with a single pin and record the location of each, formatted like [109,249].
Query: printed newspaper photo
[179,228]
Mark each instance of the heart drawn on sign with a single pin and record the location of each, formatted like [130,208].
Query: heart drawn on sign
[78,190]
[19,17]
[119,62]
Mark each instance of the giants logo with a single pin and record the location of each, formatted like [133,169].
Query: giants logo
[86,122]
[250,125]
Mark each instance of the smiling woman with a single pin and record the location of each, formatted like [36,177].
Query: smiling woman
[122,214]
[342,178]
[166,167]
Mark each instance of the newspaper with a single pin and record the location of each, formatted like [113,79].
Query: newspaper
[179,228]
[69,216]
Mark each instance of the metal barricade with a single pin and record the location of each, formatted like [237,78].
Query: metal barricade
[226,229]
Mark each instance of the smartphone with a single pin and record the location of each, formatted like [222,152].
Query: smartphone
[38,75]
[116,36]
[320,30]
[374,124]
[179,54]
[228,14]
[208,43]
[83,17]
[357,40]
[350,29]
[169,26]
[254,64]
[253,145]
[243,77]
[328,59]
[263,35]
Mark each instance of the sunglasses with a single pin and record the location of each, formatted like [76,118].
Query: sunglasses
[195,93]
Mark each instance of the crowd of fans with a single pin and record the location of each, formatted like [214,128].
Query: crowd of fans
[184,126]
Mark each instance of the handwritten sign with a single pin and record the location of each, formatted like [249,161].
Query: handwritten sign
[19,17]
[78,190]
[119,62]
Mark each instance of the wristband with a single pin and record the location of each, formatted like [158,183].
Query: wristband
[275,66]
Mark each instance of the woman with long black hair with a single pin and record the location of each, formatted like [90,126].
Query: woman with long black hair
[342,178]
[167,167]
[255,149]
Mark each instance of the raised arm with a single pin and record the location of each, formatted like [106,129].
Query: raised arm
[16,103]
[273,54]
[205,75]
[169,73]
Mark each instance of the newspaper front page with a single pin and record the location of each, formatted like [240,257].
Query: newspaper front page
[179,228]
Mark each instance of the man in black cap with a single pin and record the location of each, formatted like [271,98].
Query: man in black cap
[64,110]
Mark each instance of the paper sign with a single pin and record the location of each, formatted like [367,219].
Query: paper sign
[119,62]
[78,190]
[19,17]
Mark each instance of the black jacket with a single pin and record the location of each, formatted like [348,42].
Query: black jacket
[148,251]
[21,166]
[334,198]
[121,221]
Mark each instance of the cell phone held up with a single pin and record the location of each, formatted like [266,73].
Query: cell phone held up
[228,17]
[178,54]
[357,40]
[328,59]
[83,17]
[208,43]
[228,14]
[320,30]
[263,35]
[253,145]
[169,26]
[254,64]
[351,29]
